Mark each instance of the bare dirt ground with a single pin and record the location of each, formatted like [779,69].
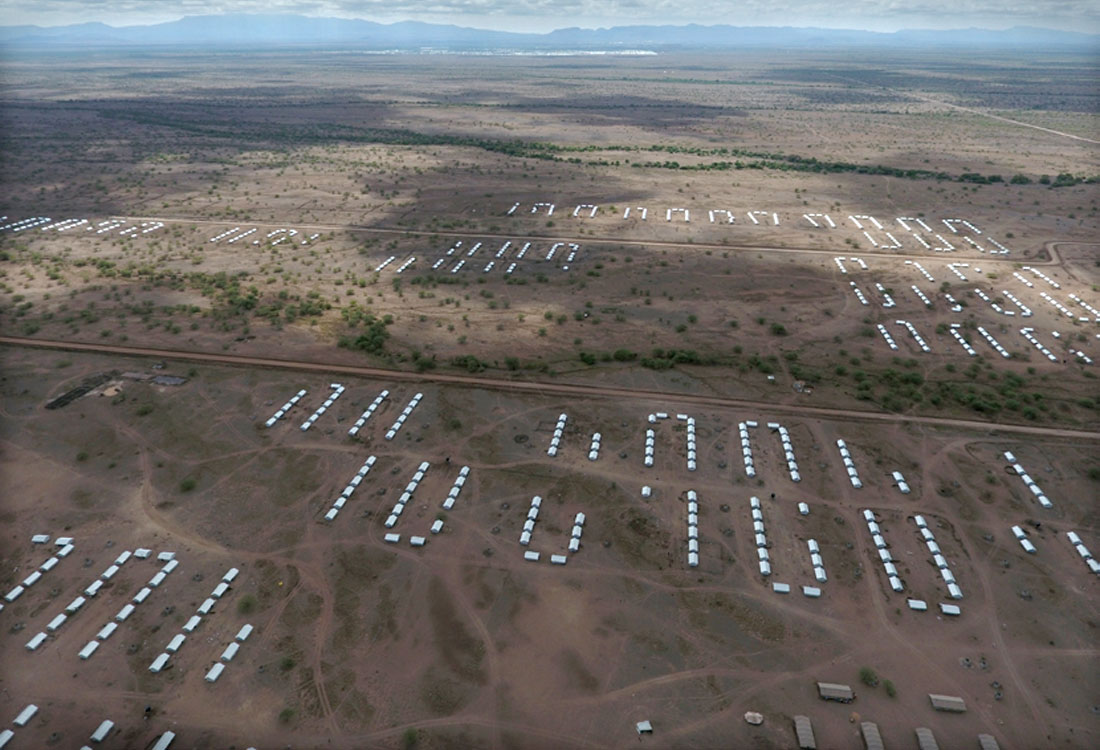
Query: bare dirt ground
[462,642]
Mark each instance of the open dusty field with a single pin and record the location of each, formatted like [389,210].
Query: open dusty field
[463,641]
[257,225]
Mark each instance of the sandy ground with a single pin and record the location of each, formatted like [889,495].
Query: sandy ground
[463,643]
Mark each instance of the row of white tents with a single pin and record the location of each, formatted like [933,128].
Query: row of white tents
[922,269]
[954,330]
[1043,276]
[170,564]
[915,334]
[937,557]
[887,300]
[105,632]
[1040,496]
[993,342]
[746,447]
[64,549]
[404,415]
[229,653]
[849,465]
[501,254]
[690,426]
[594,447]
[788,450]
[276,236]
[886,335]
[1083,551]
[693,529]
[1021,537]
[761,536]
[883,550]
[176,642]
[350,488]
[860,221]
[816,561]
[1029,334]
[954,268]
[923,297]
[559,430]
[437,524]
[368,413]
[839,260]
[282,410]
[1060,307]
[1092,310]
[407,494]
[25,224]
[337,391]
[1025,311]
[997,308]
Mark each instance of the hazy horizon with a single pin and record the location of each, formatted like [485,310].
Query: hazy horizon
[541,16]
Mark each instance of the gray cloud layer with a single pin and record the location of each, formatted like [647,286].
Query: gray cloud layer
[544,15]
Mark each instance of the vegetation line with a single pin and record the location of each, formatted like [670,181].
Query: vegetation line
[543,388]
[300,135]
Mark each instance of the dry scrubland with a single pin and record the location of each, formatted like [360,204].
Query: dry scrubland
[461,643]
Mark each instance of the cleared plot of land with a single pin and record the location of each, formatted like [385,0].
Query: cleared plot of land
[358,639]
[274,217]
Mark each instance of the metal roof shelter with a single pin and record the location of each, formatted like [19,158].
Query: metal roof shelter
[215,672]
[5,737]
[832,691]
[926,740]
[104,729]
[644,727]
[164,741]
[158,663]
[25,715]
[988,742]
[243,633]
[872,740]
[230,651]
[805,733]
[947,703]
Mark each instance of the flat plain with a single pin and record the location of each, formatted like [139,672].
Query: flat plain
[191,240]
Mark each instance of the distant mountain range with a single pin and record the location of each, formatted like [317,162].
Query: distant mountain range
[237,30]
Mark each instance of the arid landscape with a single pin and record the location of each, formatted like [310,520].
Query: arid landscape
[710,254]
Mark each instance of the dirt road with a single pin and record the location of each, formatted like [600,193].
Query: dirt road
[666,400]
[588,240]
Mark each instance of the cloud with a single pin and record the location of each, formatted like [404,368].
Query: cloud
[543,15]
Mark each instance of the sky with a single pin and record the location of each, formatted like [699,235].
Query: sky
[546,15]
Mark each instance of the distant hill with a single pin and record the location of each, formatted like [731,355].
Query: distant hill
[237,30]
